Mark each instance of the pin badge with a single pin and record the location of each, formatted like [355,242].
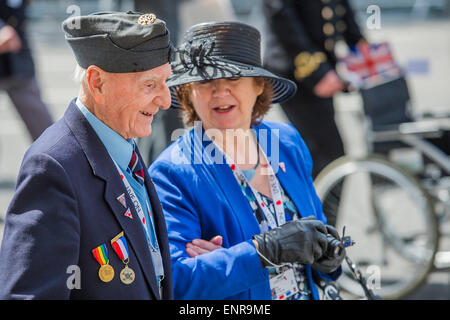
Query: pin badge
[128,214]
[121,199]
[146,19]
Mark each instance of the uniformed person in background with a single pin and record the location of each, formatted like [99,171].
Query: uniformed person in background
[17,73]
[300,42]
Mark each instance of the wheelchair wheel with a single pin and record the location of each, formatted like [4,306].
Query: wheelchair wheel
[390,217]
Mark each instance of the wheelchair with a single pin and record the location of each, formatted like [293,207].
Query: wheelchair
[394,198]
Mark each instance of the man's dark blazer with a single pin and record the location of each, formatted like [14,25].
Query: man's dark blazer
[65,205]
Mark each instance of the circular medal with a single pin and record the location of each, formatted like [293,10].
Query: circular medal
[127,275]
[106,273]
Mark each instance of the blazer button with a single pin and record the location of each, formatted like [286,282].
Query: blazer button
[12,21]
[341,26]
[328,29]
[327,13]
[340,10]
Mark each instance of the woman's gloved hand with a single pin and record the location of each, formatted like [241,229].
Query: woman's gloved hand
[330,262]
[303,241]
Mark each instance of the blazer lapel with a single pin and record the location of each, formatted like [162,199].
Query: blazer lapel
[293,191]
[287,176]
[103,167]
[232,191]
[226,182]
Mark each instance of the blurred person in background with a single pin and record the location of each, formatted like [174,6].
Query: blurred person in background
[300,42]
[17,72]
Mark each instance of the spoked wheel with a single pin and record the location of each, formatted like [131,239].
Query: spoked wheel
[389,215]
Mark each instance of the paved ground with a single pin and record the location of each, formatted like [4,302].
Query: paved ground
[427,41]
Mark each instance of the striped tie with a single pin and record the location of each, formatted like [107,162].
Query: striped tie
[136,168]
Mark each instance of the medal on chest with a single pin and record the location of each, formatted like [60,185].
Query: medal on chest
[119,244]
[106,272]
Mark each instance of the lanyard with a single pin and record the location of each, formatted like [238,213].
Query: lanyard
[274,189]
[147,225]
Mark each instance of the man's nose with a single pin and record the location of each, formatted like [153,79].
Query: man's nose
[164,100]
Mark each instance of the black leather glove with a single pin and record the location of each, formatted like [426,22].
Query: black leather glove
[303,241]
[329,262]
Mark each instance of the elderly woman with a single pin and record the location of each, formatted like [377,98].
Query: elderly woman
[235,189]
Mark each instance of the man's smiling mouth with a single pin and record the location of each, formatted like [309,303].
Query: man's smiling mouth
[146,113]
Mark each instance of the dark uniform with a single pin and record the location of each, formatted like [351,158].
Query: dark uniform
[17,73]
[300,42]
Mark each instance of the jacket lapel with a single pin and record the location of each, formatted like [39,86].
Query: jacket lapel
[299,199]
[225,181]
[104,168]
[289,177]
[236,199]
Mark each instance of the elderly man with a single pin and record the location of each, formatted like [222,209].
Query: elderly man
[85,221]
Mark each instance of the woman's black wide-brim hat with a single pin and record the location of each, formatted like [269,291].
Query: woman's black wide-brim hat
[215,50]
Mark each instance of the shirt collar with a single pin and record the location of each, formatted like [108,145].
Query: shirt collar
[119,149]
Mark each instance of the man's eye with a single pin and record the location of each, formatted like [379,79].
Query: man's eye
[151,85]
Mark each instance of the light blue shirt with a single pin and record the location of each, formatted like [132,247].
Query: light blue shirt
[118,148]
[121,150]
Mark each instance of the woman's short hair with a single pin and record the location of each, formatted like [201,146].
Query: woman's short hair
[262,104]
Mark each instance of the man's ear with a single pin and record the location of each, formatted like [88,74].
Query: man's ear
[95,79]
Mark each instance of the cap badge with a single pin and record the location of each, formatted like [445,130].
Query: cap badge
[146,19]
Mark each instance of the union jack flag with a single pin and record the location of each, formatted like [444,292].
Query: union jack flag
[371,64]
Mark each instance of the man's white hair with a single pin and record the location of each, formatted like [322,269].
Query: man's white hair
[79,74]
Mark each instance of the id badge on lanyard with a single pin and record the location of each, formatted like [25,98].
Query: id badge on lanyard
[154,248]
[283,285]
